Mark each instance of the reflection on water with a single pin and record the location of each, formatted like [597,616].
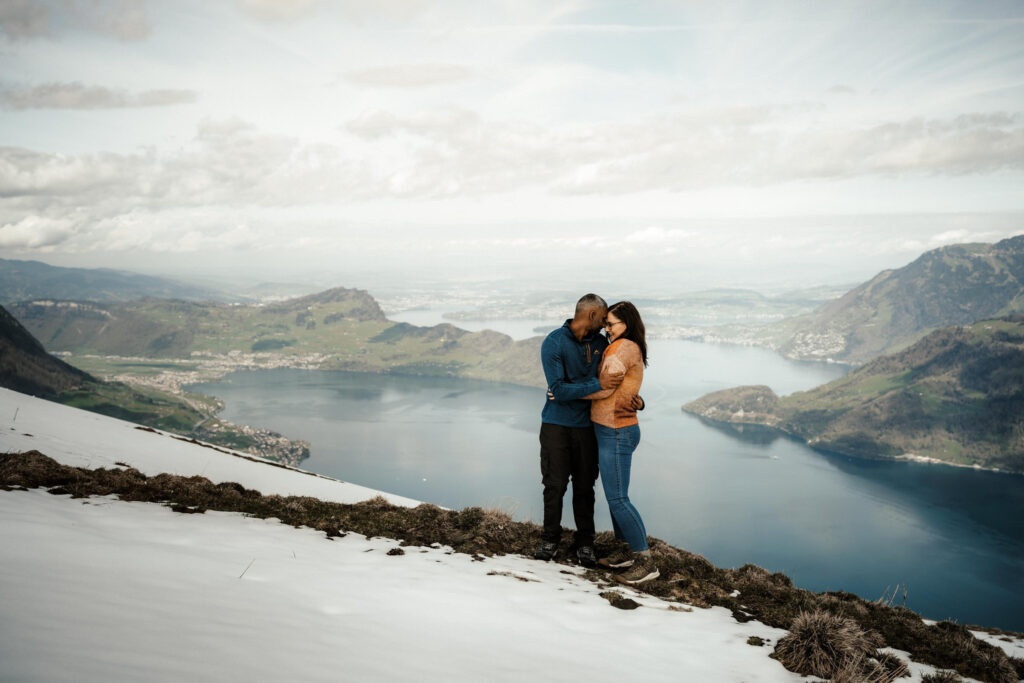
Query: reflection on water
[966,491]
[754,435]
[955,537]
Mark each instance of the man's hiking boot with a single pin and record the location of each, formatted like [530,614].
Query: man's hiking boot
[618,560]
[585,554]
[546,551]
[643,570]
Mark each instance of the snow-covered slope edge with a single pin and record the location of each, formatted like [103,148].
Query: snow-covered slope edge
[83,439]
[102,589]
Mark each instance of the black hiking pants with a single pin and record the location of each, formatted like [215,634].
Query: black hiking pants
[568,453]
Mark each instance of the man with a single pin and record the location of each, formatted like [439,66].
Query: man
[571,356]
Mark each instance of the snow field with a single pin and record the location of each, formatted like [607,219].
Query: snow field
[101,589]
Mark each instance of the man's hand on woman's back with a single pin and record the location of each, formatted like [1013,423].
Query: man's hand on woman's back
[611,381]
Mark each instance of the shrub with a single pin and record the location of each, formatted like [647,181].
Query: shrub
[824,645]
[272,344]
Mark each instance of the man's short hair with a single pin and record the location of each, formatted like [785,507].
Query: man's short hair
[589,301]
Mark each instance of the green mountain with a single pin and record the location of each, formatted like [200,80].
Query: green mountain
[954,285]
[956,396]
[24,280]
[26,367]
[339,329]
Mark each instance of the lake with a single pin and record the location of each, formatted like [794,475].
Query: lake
[954,537]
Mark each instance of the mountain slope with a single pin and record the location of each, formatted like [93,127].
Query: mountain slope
[955,285]
[956,396]
[25,366]
[23,280]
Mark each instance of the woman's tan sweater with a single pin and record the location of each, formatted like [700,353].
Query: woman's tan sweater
[612,407]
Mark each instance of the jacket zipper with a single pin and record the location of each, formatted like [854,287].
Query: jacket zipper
[588,353]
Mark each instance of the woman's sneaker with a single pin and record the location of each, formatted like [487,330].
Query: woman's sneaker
[640,572]
[617,560]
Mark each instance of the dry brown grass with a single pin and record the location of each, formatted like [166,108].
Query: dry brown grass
[942,676]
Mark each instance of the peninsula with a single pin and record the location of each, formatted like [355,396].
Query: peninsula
[956,397]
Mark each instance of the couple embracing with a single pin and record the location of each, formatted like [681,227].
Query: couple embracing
[589,425]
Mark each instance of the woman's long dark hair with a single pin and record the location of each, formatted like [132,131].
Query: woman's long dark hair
[635,332]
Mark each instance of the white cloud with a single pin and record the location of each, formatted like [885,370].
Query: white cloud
[688,149]
[35,232]
[431,14]
[122,19]
[278,10]
[125,20]
[437,124]
[963,236]
[63,178]
[951,237]
[757,147]
[457,154]
[410,75]
[840,89]
[24,18]
[78,96]
[656,236]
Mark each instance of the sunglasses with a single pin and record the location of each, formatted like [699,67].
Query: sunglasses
[609,326]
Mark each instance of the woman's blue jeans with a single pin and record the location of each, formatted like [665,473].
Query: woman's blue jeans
[615,454]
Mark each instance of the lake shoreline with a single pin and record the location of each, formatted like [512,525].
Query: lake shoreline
[737,425]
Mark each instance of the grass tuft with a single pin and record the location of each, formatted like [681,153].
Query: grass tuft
[825,645]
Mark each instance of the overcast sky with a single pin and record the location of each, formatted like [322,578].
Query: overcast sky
[669,145]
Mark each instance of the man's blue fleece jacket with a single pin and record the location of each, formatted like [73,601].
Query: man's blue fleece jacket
[570,366]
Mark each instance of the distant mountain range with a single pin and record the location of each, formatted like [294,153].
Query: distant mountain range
[956,396]
[954,285]
[26,280]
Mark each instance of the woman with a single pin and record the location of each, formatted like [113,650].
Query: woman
[618,434]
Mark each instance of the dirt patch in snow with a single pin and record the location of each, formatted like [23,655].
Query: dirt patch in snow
[619,601]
